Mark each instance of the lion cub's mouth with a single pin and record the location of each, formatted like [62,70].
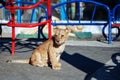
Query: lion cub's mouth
[59,42]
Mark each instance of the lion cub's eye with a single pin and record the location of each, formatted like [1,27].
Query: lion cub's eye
[62,35]
[55,35]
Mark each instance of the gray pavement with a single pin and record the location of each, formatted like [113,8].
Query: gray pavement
[93,43]
[81,60]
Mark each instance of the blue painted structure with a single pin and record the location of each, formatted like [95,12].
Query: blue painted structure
[19,13]
[115,20]
[109,22]
[91,22]
[34,13]
[62,14]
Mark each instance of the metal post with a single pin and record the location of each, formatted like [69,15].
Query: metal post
[13,27]
[62,14]
[34,12]
[19,13]
[49,19]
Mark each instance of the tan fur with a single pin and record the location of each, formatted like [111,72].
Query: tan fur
[49,51]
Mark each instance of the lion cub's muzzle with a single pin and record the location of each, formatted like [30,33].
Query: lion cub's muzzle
[59,42]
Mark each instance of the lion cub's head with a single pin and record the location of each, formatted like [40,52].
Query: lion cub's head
[60,35]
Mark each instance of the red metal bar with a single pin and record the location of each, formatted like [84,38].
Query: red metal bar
[27,25]
[25,7]
[116,25]
[49,18]
[13,40]
[13,27]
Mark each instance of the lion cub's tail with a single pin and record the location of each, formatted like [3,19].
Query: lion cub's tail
[18,61]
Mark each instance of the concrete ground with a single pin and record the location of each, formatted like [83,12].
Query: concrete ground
[81,60]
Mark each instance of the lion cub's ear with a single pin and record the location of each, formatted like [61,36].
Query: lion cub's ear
[68,29]
[55,29]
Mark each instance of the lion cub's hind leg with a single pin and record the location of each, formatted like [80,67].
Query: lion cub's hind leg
[36,60]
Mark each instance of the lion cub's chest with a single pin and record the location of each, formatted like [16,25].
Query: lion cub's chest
[59,49]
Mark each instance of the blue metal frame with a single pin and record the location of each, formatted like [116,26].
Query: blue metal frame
[19,13]
[62,14]
[113,21]
[40,28]
[4,12]
[34,13]
[91,21]
[110,20]
[100,4]
[113,12]
[1,6]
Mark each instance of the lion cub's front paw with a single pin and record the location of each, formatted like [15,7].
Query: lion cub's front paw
[56,66]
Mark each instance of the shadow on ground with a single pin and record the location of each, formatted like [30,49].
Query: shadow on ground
[94,69]
[110,71]
[5,46]
[81,62]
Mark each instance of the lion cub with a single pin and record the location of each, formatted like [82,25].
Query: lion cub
[48,51]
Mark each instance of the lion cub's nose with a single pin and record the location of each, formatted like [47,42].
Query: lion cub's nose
[57,41]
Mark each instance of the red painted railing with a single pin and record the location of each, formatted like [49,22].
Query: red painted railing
[13,24]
